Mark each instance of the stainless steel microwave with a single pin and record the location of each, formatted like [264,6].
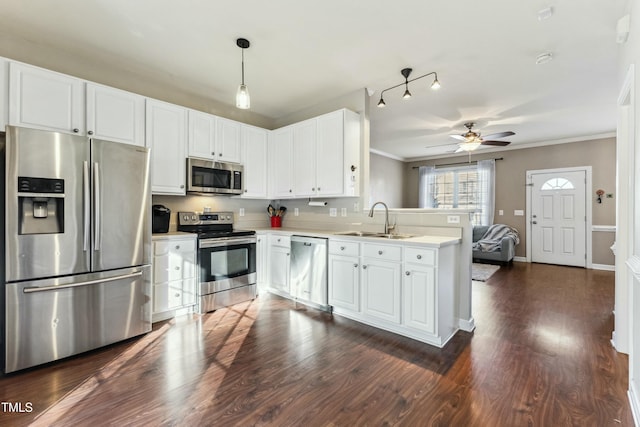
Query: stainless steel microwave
[209,177]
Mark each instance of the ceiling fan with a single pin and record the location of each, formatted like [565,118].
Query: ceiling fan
[471,140]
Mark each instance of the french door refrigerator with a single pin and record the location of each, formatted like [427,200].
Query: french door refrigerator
[76,245]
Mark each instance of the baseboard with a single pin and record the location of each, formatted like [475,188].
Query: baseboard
[467,325]
[634,403]
[520,259]
[604,267]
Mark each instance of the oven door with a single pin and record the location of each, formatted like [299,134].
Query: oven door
[226,263]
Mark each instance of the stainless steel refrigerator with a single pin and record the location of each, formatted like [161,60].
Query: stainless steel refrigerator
[77,238]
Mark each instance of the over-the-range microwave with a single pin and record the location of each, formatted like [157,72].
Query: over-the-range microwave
[209,177]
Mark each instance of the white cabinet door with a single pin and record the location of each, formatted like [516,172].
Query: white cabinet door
[344,282]
[43,99]
[4,93]
[381,290]
[304,158]
[279,268]
[202,135]
[115,115]
[227,140]
[166,136]
[254,159]
[419,297]
[280,162]
[262,260]
[330,154]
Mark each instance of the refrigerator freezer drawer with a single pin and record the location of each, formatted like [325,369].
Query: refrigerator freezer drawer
[50,319]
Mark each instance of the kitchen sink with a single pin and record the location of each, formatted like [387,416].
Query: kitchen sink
[394,236]
[357,233]
[373,234]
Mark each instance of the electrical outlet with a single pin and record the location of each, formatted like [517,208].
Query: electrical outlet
[518,212]
[241,211]
[500,212]
[453,219]
[609,196]
[333,211]
[343,211]
[296,211]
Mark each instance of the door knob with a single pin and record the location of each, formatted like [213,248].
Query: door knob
[408,273]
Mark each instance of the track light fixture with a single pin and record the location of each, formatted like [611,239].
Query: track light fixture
[406,72]
[243,101]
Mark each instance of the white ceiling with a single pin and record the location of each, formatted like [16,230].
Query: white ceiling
[304,52]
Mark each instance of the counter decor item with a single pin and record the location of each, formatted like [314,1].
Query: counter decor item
[276,214]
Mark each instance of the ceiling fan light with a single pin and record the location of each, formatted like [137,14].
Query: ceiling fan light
[407,94]
[436,84]
[243,100]
[469,146]
[381,103]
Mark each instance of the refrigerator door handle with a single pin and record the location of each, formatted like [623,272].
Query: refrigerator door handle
[85,283]
[86,205]
[96,206]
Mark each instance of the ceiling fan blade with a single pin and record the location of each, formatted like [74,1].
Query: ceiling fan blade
[459,150]
[497,143]
[500,134]
[458,137]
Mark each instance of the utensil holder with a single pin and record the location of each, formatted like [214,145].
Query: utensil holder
[276,221]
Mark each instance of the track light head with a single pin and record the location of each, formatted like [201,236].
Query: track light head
[406,72]
[381,103]
[436,84]
[407,94]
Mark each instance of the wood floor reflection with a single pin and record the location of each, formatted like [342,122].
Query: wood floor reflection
[540,356]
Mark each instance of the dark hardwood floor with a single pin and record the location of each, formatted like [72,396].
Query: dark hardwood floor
[540,356]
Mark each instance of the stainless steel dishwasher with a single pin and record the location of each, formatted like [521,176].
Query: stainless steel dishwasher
[308,277]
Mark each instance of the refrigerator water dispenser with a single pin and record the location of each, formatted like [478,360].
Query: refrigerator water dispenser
[40,205]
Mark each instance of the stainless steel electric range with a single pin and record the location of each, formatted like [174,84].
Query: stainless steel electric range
[226,259]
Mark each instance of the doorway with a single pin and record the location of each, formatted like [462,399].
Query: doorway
[558,220]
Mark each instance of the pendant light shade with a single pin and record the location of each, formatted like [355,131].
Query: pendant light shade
[243,100]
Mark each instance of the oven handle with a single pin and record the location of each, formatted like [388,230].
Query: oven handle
[214,243]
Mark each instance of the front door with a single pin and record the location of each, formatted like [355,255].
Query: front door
[558,217]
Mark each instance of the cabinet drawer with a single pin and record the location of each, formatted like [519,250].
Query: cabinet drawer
[167,296]
[423,256]
[163,247]
[279,240]
[383,252]
[171,267]
[341,247]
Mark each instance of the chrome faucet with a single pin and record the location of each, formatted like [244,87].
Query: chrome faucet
[387,227]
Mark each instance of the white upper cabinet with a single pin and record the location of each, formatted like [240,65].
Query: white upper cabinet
[115,115]
[214,138]
[4,93]
[304,158]
[281,162]
[202,135]
[166,135]
[330,148]
[44,99]
[227,140]
[254,159]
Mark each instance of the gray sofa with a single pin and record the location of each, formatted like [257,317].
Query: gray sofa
[504,255]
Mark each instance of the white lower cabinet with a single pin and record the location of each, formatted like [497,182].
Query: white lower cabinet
[344,282]
[381,290]
[174,275]
[262,261]
[419,297]
[279,261]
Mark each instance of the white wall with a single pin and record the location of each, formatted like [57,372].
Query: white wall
[628,233]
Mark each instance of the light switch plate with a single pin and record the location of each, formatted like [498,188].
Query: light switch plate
[241,211]
[518,212]
[296,211]
[333,211]
[343,211]
[453,219]
[500,212]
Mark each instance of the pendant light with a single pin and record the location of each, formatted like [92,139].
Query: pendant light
[243,100]
[406,72]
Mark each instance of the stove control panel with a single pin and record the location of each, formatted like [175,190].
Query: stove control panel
[205,218]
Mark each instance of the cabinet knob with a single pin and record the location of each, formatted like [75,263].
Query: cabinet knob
[408,273]
[90,132]
[278,239]
[355,265]
[220,154]
[177,268]
[245,190]
[379,252]
[182,186]
[313,189]
[287,253]
[290,191]
[342,248]
[213,153]
[177,295]
[419,256]
[364,267]
[177,246]
[318,188]
[76,130]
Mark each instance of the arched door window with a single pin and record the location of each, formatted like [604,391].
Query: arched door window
[557,184]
